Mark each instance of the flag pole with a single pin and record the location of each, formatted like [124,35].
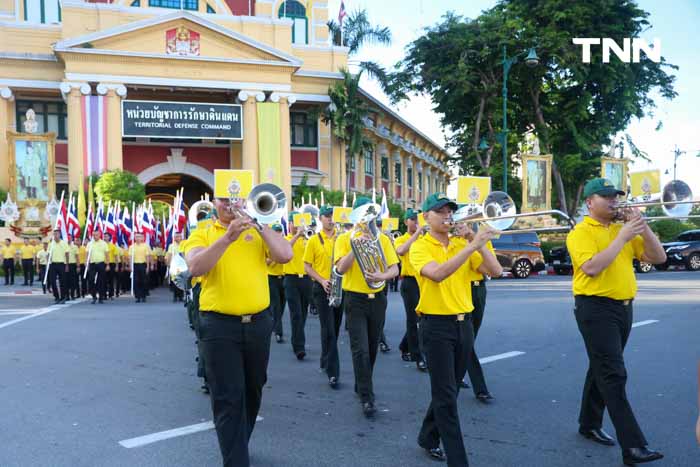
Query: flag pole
[133,222]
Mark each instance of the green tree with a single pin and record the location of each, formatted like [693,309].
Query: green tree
[358,31]
[575,109]
[120,185]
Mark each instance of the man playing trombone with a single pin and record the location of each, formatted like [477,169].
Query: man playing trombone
[235,323]
[365,306]
[604,286]
[443,264]
[318,258]
[297,287]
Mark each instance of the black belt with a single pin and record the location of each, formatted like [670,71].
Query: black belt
[370,296]
[457,317]
[621,302]
[478,283]
[277,276]
[244,319]
[298,276]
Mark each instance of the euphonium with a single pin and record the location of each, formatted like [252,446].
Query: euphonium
[368,251]
[335,297]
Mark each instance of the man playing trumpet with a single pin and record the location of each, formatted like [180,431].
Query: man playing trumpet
[604,287]
[235,323]
[443,264]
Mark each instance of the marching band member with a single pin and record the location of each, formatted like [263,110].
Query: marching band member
[173,248]
[58,269]
[409,288]
[82,260]
[42,259]
[230,256]
[73,282]
[275,279]
[318,264]
[98,250]
[604,286]
[442,263]
[297,287]
[365,308]
[8,261]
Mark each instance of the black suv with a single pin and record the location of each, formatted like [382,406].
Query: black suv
[519,253]
[561,262]
[684,251]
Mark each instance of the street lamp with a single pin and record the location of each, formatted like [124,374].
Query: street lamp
[531,60]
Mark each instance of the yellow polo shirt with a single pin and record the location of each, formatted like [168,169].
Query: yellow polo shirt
[43,257]
[451,296]
[275,269]
[113,253]
[184,248]
[617,281]
[237,284]
[406,266]
[318,254]
[82,254]
[140,252]
[59,251]
[98,251]
[296,265]
[27,251]
[37,249]
[8,252]
[353,280]
[474,274]
[173,248]
[72,254]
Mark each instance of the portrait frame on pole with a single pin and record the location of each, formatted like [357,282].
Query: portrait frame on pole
[32,160]
[615,170]
[537,182]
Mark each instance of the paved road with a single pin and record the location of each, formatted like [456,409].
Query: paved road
[77,380]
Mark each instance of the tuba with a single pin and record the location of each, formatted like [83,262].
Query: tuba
[368,251]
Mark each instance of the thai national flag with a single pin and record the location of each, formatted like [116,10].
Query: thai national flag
[90,222]
[125,227]
[61,220]
[181,216]
[342,13]
[110,227]
[384,211]
[145,224]
[100,219]
[72,224]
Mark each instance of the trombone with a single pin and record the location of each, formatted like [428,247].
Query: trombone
[676,202]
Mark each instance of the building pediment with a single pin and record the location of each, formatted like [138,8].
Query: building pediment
[179,35]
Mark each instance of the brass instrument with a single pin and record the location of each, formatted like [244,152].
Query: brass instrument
[368,251]
[335,298]
[395,234]
[676,201]
[266,204]
[178,272]
[309,231]
[202,209]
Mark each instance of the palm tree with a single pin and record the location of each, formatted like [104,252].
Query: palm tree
[357,31]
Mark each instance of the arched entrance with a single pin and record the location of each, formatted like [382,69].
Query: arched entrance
[164,187]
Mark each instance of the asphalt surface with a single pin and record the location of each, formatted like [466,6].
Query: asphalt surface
[78,379]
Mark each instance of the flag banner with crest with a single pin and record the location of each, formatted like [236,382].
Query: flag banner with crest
[646,183]
[473,190]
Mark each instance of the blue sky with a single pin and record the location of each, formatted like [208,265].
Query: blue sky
[674,22]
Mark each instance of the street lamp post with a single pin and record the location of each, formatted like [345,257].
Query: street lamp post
[531,60]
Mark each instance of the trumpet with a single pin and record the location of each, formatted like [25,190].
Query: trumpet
[266,204]
[395,234]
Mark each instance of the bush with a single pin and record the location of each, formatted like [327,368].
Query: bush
[668,230]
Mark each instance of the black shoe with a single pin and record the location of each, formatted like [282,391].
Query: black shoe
[138,300]
[422,366]
[384,347]
[633,456]
[484,397]
[279,338]
[406,357]
[368,409]
[333,382]
[100,302]
[464,385]
[205,388]
[300,355]
[143,299]
[94,300]
[597,435]
[436,454]
[62,301]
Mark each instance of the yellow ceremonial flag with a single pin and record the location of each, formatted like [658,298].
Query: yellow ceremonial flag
[473,190]
[421,220]
[91,196]
[341,215]
[645,183]
[269,142]
[81,201]
[302,219]
[232,183]
[390,224]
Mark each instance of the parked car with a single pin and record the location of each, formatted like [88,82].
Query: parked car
[684,251]
[561,262]
[519,253]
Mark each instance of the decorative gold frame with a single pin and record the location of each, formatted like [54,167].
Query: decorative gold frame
[50,139]
[622,162]
[547,159]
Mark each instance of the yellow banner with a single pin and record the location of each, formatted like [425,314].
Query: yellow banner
[269,142]
[390,224]
[232,183]
[302,219]
[473,190]
[341,215]
[645,183]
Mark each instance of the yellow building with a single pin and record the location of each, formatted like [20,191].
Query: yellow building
[172,94]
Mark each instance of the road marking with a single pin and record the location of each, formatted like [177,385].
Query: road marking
[168,434]
[17,312]
[500,356]
[644,323]
[40,312]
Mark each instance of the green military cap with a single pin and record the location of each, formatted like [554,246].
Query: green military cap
[361,201]
[325,210]
[276,227]
[437,201]
[411,214]
[602,187]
